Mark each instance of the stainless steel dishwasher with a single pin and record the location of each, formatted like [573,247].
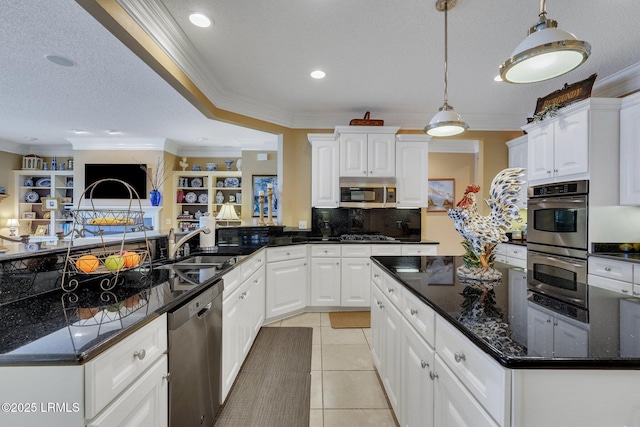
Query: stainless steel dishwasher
[195,359]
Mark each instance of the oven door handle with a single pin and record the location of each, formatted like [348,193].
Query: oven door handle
[550,258]
[558,200]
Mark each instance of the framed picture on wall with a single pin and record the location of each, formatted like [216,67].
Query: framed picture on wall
[441,194]
[261,183]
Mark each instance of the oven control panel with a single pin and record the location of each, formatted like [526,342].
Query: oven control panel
[563,188]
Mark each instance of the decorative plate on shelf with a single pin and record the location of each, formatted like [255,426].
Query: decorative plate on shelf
[43,182]
[231,182]
[32,197]
[190,197]
[196,182]
[203,198]
[219,184]
[28,182]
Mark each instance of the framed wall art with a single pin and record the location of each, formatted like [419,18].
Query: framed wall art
[28,215]
[441,194]
[261,183]
[50,203]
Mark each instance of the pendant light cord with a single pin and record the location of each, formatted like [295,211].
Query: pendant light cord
[446,83]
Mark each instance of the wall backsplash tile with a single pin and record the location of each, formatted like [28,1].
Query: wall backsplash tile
[398,223]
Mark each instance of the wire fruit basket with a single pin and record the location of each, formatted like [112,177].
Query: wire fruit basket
[110,260]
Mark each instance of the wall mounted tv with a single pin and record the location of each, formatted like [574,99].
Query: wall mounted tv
[132,174]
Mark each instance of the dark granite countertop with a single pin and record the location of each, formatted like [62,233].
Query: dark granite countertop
[619,251]
[499,325]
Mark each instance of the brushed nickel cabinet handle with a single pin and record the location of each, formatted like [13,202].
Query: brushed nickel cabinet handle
[140,354]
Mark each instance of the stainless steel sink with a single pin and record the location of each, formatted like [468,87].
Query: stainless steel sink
[203,262]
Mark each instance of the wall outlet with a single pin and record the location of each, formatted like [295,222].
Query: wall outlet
[302,225]
[168,221]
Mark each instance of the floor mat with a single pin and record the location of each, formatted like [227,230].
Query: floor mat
[350,319]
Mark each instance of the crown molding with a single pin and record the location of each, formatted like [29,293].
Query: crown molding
[210,152]
[14,147]
[121,144]
[620,84]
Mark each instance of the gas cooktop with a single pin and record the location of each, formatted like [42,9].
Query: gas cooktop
[366,237]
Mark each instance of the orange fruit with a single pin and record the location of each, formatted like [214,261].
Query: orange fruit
[87,263]
[131,259]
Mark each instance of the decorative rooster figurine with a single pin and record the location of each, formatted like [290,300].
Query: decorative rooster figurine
[483,233]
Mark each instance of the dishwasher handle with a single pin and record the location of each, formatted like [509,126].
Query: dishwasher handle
[207,308]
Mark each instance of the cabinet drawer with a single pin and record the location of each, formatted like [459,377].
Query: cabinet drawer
[325,251]
[518,252]
[421,316]
[232,279]
[356,250]
[501,249]
[636,274]
[392,290]
[419,250]
[486,380]
[286,253]
[115,369]
[376,275]
[251,265]
[611,269]
[611,284]
[386,250]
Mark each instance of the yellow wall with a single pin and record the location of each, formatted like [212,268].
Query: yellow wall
[8,163]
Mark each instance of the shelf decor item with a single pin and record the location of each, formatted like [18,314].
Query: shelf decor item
[13,225]
[50,203]
[155,197]
[228,163]
[31,161]
[157,176]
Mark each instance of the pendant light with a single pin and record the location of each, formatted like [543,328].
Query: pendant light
[446,122]
[546,53]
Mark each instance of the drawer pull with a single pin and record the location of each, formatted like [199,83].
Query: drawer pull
[607,269]
[414,311]
[390,290]
[433,375]
[167,376]
[423,364]
[288,253]
[624,291]
[459,357]
[242,295]
[140,354]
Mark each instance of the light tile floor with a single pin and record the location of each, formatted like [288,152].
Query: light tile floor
[345,389]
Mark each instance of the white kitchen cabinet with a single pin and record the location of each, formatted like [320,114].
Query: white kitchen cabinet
[453,405]
[611,274]
[325,282]
[355,279]
[508,253]
[377,325]
[518,304]
[325,170]
[500,252]
[569,145]
[554,335]
[412,171]
[243,314]
[287,276]
[367,152]
[144,404]
[636,280]
[518,154]
[417,387]
[419,250]
[630,150]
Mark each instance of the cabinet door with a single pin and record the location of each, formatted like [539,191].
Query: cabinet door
[377,323]
[518,159]
[325,282]
[286,287]
[353,155]
[630,155]
[453,405]
[540,153]
[355,282]
[381,155]
[325,174]
[412,173]
[417,387]
[143,404]
[539,333]
[232,339]
[518,304]
[256,306]
[392,354]
[571,148]
[569,340]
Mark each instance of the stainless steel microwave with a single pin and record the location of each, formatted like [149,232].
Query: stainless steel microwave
[371,195]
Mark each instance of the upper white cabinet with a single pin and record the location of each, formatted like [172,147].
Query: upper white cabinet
[412,171]
[630,150]
[325,170]
[569,145]
[518,155]
[367,151]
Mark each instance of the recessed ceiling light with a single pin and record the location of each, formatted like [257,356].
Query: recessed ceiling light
[199,20]
[318,74]
[61,60]
[202,139]
[113,132]
[78,131]
[30,138]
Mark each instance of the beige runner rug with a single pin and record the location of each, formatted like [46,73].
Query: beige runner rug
[350,319]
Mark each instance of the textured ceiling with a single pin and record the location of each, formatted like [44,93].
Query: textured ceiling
[380,56]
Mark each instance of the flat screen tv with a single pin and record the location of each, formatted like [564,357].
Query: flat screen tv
[132,174]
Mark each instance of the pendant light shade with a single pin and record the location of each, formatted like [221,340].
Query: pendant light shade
[446,122]
[546,53]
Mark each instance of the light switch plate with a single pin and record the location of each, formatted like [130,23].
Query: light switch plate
[302,225]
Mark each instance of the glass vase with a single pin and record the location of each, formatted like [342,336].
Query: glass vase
[155,197]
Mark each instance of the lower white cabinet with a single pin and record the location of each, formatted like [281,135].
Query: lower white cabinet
[143,404]
[419,250]
[325,282]
[417,386]
[356,282]
[453,405]
[286,287]
[243,313]
[551,335]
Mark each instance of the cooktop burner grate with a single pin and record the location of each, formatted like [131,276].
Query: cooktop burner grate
[366,237]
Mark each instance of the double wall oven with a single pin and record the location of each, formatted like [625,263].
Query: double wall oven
[557,241]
